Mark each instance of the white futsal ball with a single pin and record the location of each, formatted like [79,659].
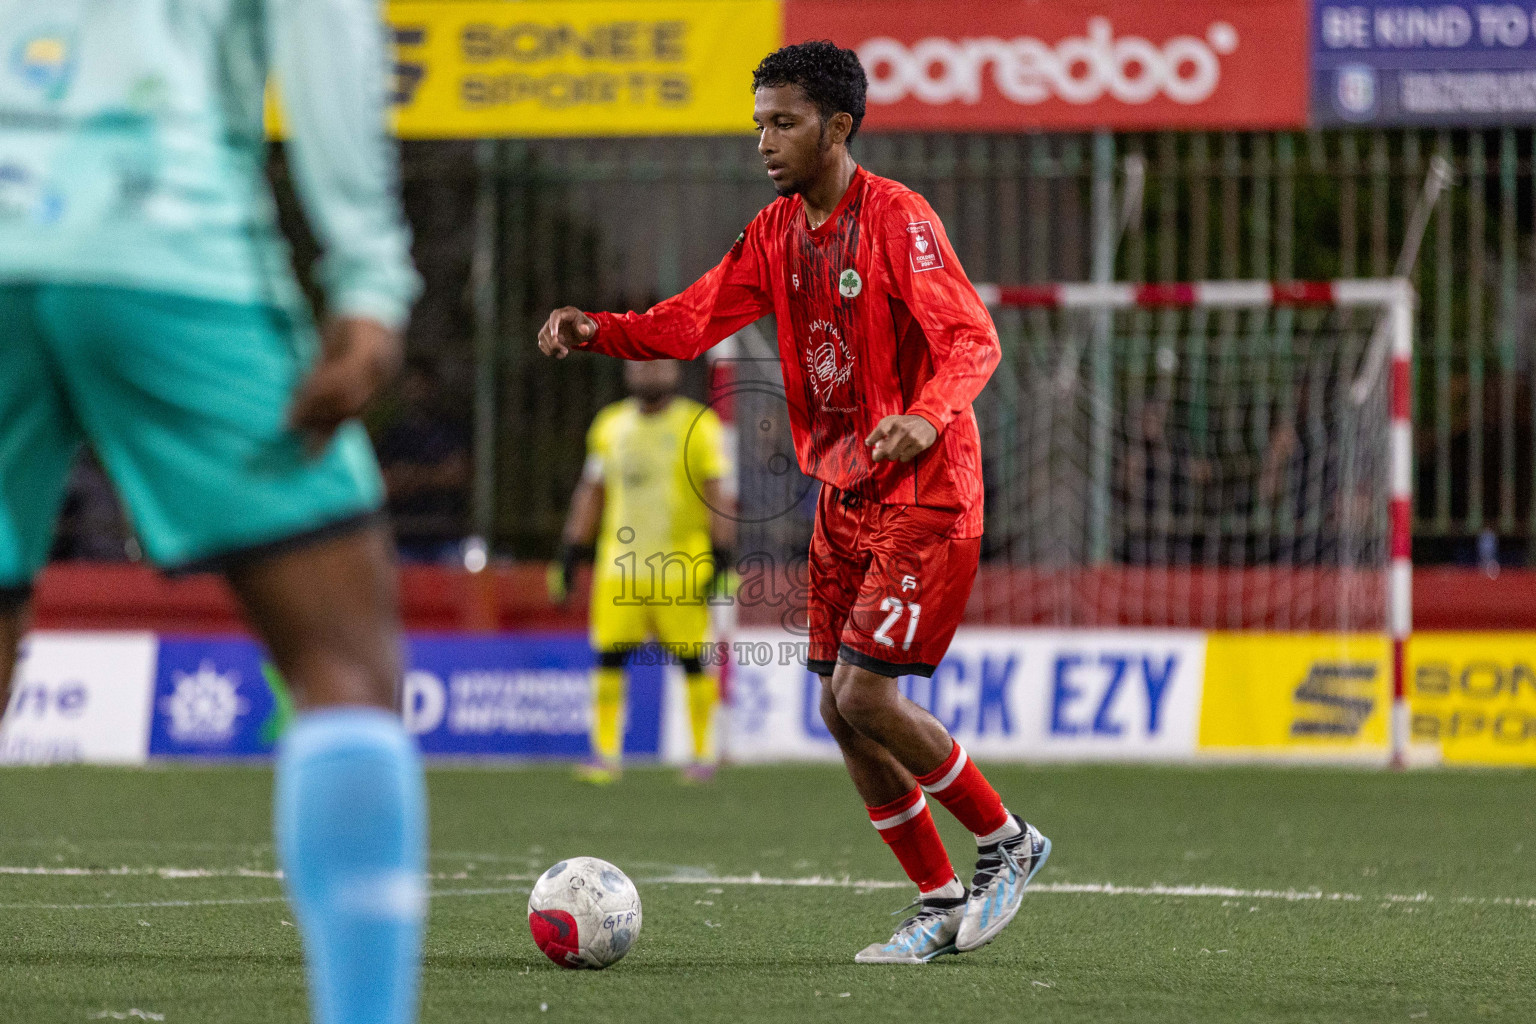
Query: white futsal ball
[584,913]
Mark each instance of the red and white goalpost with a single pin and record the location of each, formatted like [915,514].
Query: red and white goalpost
[1214,455]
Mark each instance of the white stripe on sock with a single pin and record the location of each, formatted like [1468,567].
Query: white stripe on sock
[386,896]
[905,816]
[952,889]
[1009,829]
[951,775]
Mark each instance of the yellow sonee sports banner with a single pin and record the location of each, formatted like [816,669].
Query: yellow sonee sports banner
[1300,694]
[1471,696]
[489,68]
[678,67]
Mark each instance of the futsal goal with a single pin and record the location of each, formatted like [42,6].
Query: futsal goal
[1225,455]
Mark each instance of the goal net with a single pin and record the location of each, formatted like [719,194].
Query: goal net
[1214,456]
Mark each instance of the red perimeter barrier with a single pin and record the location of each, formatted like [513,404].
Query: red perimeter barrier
[77,595]
[512,597]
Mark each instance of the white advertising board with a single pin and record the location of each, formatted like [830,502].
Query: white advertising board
[80,697]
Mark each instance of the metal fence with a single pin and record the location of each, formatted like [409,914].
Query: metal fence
[619,223]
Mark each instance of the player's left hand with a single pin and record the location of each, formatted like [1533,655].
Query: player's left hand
[358,358]
[901,438]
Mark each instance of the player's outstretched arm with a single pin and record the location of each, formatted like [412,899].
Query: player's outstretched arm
[727,298]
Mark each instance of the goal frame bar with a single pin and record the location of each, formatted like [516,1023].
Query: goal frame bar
[1395,298]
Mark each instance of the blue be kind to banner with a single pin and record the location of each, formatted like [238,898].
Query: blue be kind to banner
[1454,64]
[514,696]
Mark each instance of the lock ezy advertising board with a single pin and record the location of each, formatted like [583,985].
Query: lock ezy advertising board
[1005,694]
[1453,64]
[1070,66]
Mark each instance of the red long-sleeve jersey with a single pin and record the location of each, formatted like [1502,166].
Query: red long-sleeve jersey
[875,318]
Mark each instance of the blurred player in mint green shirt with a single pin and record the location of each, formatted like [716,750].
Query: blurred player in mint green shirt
[147,309]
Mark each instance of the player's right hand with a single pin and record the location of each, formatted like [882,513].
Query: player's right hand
[566,328]
[358,357]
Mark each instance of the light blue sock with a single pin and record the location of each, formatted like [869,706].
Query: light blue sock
[350,818]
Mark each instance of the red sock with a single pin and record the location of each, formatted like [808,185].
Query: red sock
[959,785]
[907,828]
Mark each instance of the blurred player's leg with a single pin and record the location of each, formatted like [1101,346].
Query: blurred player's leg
[682,627]
[608,685]
[350,804]
[703,699]
[617,625]
[13,619]
[39,439]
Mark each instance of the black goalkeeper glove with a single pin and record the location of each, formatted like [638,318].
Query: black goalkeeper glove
[561,575]
[724,582]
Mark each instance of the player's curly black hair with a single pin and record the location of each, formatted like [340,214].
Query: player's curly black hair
[831,77]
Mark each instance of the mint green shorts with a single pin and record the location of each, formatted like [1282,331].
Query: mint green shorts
[184,401]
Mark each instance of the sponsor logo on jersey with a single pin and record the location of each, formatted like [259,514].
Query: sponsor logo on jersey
[850,283]
[924,247]
[829,365]
[45,62]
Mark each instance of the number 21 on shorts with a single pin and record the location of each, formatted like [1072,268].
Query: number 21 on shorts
[893,607]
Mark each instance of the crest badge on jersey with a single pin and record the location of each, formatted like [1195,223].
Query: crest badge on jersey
[45,62]
[850,283]
[924,249]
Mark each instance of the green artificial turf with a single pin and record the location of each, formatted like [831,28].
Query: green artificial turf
[1427,907]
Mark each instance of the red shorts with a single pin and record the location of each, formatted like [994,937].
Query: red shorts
[888,586]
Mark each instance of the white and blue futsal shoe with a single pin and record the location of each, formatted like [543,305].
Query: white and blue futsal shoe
[1002,872]
[927,934]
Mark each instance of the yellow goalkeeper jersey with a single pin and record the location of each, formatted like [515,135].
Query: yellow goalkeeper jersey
[653,469]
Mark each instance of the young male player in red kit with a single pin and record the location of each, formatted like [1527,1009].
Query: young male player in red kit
[884,344]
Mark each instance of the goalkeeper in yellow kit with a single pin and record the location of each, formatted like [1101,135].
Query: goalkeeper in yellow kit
[653,496]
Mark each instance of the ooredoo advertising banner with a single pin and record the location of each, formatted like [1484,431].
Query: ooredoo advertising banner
[1027,64]
[1453,64]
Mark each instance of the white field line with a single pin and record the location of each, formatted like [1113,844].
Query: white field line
[686,876]
[170,873]
[173,904]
